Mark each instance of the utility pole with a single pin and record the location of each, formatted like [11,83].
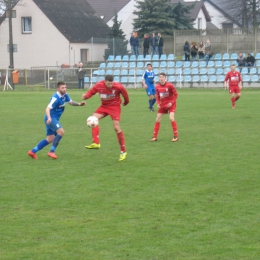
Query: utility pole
[11,50]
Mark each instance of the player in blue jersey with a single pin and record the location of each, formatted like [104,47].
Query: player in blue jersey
[54,130]
[148,83]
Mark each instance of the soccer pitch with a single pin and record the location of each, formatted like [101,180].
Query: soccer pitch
[197,198]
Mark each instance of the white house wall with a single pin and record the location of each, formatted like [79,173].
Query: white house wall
[203,21]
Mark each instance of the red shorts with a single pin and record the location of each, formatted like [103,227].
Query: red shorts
[113,111]
[166,110]
[234,89]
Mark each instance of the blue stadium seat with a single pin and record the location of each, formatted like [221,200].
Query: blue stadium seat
[124,64]
[156,78]
[244,71]
[194,64]
[124,80]
[140,64]
[140,57]
[156,71]
[211,71]
[226,70]
[233,56]
[124,72]
[211,63]
[170,56]
[195,78]
[95,72]
[257,63]
[202,64]
[258,72]
[110,65]
[116,78]
[220,78]
[101,72]
[155,64]
[170,64]
[203,71]
[132,64]
[187,78]
[171,78]
[109,72]
[178,71]
[219,71]
[86,80]
[100,78]
[225,56]
[148,58]
[218,63]
[212,78]
[163,64]
[131,72]
[254,78]
[194,71]
[155,57]
[204,78]
[118,58]
[217,56]
[186,71]
[163,57]
[102,65]
[111,58]
[257,56]
[125,58]
[252,70]
[139,79]
[164,70]
[170,71]
[179,79]
[139,72]
[246,78]
[94,79]
[131,80]
[116,72]
[178,64]
[186,64]
[226,63]
[132,58]
[117,65]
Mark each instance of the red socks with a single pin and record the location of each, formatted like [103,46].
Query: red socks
[156,129]
[121,141]
[95,134]
[236,98]
[174,129]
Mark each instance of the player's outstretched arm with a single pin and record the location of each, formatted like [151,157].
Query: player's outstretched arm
[79,104]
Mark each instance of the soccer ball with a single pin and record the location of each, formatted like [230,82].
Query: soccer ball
[92,121]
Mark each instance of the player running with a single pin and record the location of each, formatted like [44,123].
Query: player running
[166,96]
[109,92]
[148,83]
[235,84]
[54,130]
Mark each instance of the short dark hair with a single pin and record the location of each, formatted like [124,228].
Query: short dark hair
[109,78]
[163,74]
[60,83]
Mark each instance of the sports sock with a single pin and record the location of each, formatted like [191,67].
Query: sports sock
[121,141]
[174,128]
[153,101]
[40,146]
[156,129]
[232,100]
[236,98]
[150,104]
[55,143]
[95,134]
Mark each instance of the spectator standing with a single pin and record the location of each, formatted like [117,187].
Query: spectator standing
[250,60]
[186,49]
[241,60]
[201,50]
[160,44]
[194,50]
[131,44]
[81,74]
[146,44]
[208,51]
[134,42]
[154,44]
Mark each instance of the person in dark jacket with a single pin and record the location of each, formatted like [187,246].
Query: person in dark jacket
[81,74]
[160,44]
[154,43]
[241,61]
[146,44]
[186,49]
[134,42]
[250,60]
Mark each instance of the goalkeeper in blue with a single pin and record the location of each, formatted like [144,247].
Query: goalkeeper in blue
[148,83]
[54,129]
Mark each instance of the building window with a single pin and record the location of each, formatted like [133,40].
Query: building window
[14,48]
[199,23]
[26,24]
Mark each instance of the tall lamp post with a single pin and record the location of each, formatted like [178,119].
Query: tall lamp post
[11,50]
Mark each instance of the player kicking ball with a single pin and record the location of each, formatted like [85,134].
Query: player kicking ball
[109,92]
[235,84]
[54,129]
[166,95]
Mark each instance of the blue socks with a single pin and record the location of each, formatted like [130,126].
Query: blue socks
[55,143]
[151,102]
[40,146]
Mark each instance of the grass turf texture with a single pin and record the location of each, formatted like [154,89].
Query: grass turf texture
[194,199]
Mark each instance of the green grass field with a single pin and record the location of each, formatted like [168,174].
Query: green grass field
[198,198]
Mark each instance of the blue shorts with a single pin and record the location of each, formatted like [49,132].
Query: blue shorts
[150,90]
[52,127]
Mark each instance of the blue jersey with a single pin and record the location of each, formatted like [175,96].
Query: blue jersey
[148,76]
[57,104]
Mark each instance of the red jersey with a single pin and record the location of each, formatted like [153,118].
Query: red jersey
[233,77]
[165,94]
[109,97]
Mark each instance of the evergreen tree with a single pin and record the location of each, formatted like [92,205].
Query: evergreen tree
[116,42]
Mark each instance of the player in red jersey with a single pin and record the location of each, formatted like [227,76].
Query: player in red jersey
[109,92]
[166,95]
[235,84]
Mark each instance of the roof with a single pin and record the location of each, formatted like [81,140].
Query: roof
[107,8]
